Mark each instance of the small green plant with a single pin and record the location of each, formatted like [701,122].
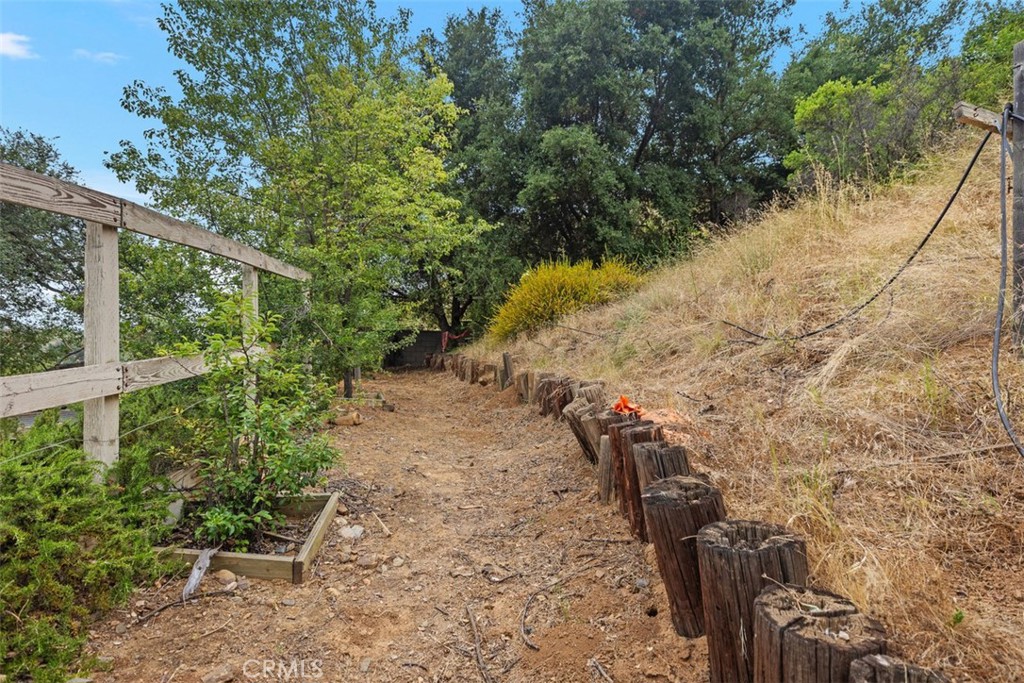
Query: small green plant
[957,618]
[552,290]
[261,439]
[71,546]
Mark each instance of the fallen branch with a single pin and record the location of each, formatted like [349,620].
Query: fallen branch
[936,459]
[600,669]
[476,647]
[607,540]
[181,603]
[522,621]
[214,630]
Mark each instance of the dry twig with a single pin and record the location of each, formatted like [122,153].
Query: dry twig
[387,531]
[526,608]
[181,603]
[600,669]
[476,647]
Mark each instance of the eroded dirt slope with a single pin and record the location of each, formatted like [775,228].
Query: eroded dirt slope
[486,504]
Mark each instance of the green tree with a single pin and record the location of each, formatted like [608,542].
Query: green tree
[484,167]
[260,439]
[41,266]
[987,51]
[874,89]
[302,129]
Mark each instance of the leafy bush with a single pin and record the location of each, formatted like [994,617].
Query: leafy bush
[70,546]
[260,439]
[856,130]
[552,290]
[987,52]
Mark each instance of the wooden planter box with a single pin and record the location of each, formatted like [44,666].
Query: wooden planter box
[259,566]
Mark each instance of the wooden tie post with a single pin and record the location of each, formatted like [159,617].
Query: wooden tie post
[807,635]
[979,117]
[738,559]
[676,508]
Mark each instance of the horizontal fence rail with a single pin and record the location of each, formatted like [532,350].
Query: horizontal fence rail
[103,378]
[28,188]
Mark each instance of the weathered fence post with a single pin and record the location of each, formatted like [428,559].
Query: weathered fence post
[615,428]
[506,365]
[1017,156]
[737,560]
[677,508]
[102,338]
[885,669]
[604,470]
[806,635]
[641,432]
[982,118]
[657,460]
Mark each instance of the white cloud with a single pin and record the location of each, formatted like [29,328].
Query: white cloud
[109,58]
[16,46]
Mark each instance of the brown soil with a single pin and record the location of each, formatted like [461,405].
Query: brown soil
[487,504]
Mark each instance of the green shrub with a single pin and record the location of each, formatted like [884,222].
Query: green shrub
[71,547]
[553,290]
[260,439]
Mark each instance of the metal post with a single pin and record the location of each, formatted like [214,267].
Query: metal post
[1017,156]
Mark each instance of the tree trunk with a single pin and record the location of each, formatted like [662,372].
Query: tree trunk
[657,460]
[347,379]
[807,635]
[886,669]
[676,509]
[737,560]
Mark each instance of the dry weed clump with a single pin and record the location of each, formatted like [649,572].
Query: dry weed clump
[878,439]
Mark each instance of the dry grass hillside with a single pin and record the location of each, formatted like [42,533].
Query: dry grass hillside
[879,439]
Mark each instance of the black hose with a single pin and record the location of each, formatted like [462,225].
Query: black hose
[860,307]
[1001,299]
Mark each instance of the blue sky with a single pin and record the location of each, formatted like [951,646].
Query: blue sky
[64,64]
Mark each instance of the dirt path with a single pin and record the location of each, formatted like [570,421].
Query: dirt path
[486,503]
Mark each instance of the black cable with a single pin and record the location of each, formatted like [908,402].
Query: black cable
[860,307]
[1001,299]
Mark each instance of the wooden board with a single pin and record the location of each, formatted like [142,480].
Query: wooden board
[27,188]
[20,394]
[262,566]
[140,374]
[978,117]
[251,565]
[148,222]
[304,506]
[304,560]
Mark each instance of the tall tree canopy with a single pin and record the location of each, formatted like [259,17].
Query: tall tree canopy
[302,129]
[41,266]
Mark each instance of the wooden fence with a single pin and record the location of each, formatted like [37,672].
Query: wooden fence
[103,378]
